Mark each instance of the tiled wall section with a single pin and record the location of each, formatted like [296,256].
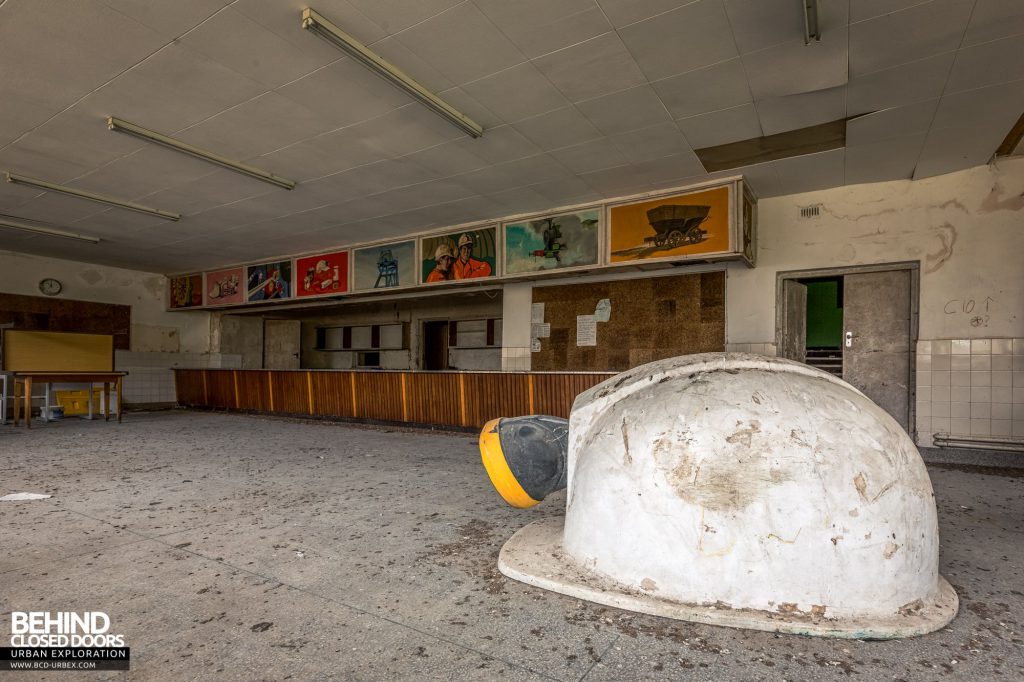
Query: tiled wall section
[515,359]
[970,387]
[767,348]
[150,379]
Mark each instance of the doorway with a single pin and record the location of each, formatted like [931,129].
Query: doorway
[435,345]
[859,323]
[281,344]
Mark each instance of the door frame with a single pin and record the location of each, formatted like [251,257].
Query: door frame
[915,304]
[422,351]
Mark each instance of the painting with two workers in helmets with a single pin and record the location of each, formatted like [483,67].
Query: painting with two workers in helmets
[459,255]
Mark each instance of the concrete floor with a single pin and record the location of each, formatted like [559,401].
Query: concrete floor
[240,547]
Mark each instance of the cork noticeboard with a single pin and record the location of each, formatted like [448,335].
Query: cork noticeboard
[650,319]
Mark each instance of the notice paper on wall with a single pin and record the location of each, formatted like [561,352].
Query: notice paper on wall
[586,330]
[540,331]
[534,345]
[536,313]
[603,312]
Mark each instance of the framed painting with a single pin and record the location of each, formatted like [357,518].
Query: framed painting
[321,275]
[384,266]
[225,287]
[698,225]
[458,256]
[269,281]
[558,242]
[186,291]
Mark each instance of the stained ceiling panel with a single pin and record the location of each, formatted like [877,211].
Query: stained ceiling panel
[538,27]
[593,68]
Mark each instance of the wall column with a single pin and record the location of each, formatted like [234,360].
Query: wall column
[515,327]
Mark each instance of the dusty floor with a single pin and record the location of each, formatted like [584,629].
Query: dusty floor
[238,547]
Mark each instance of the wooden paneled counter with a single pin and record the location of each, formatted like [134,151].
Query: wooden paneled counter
[464,399]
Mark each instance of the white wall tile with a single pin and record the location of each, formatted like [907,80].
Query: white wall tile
[1002,346]
[961,347]
[1001,427]
[941,347]
[981,427]
[960,410]
[1001,411]
[960,363]
[1002,363]
[940,424]
[940,394]
[940,409]
[981,346]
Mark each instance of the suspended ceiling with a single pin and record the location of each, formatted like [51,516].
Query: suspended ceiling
[580,99]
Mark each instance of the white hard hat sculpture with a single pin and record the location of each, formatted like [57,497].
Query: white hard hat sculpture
[736,490]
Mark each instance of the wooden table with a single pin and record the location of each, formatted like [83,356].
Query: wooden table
[24,381]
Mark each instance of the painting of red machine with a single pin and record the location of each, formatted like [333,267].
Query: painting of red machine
[732,489]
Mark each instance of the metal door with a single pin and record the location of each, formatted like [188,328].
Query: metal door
[876,338]
[281,344]
[794,332]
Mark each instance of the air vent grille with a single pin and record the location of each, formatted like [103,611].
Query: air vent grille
[810,211]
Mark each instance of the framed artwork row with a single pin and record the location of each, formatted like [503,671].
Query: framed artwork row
[704,223]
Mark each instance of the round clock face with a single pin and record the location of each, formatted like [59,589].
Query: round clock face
[50,286]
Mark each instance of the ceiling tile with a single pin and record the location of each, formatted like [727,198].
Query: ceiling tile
[462,44]
[238,42]
[556,129]
[627,110]
[651,143]
[861,10]
[222,187]
[516,93]
[915,82]
[682,40]
[921,31]
[758,24]
[721,127]
[450,158]
[468,105]
[396,15]
[617,181]
[624,12]
[596,67]
[590,156]
[996,106]
[994,19]
[144,172]
[763,179]
[670,169]
[51,208]
[323,155]
[257,127]
[782,114]
[169,19]
[407,130]
[911,119]
[562,192]
[345,93]
[719,86]
[499,145]
[521,173]
[891,159]
[999,61]
[285,19]
[793,68]
[812,172]
[414,66]
[538,27]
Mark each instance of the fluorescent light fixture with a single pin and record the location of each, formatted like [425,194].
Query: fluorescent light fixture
[91,196]
[47,231]
[315,22]
[185,148]
[811,29]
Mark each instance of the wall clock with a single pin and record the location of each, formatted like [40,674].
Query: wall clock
[50,286]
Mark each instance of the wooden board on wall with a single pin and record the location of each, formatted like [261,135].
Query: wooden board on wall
[651,319]
[57,352]
[39,313]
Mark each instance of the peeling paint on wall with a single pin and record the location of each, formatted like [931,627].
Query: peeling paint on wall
[947,237]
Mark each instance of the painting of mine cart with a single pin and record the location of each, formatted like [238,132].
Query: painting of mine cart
[326,273]
[672,227]
[186,291]
[567,240]
[386,266]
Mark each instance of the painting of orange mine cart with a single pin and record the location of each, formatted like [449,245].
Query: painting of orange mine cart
[673,227]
